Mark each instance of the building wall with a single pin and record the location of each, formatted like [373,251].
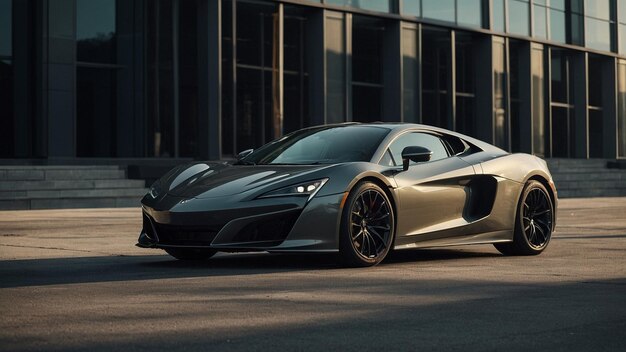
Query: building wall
[206,79]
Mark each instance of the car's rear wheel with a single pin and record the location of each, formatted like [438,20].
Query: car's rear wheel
[533,222]
[367,226]
[190,253]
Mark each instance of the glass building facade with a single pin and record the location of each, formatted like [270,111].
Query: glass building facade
[205,79]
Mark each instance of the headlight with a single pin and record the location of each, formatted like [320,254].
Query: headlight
[305,189]
[155,189]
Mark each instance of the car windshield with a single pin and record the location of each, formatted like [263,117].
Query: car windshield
[320,145]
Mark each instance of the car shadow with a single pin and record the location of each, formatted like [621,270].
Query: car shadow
[55,271]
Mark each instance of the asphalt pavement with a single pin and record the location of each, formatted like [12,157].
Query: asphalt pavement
[73,280]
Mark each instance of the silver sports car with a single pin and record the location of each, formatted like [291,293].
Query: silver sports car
[356,189]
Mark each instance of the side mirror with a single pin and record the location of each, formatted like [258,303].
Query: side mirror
[244,154]
[415,154]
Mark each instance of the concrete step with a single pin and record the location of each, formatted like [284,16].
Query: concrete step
[62,174]
[604,176]
[69,184]
[589,184]
[74,193]
[56,203]
[592,192]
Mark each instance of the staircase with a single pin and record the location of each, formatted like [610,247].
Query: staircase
[48,187]
[576,178]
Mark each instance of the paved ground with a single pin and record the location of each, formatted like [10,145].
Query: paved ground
[73,280]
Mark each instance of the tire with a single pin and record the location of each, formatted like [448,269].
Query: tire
[534,222]
[190,253]
[367,226]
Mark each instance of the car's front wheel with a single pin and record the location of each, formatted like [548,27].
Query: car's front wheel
[533,222]
[367,226]
[190,253]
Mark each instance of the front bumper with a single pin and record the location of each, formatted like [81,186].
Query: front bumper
[278,225]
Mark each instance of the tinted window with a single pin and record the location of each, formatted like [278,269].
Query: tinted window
[324,145]
[421,140]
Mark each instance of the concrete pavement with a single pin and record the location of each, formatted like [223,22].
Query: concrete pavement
[73,280]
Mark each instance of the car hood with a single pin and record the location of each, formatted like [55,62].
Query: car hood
[208,180]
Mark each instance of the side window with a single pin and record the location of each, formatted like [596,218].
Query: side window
[418,139]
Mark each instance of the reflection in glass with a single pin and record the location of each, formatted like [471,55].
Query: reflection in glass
[622,38]
[373,5]
[469,13]
[6,30]
[597,34]
[540,26]
[600,9]
[335,70]
[562,127]
[515,50]
[411,8]
[501,128]
[518,17]
[95,31]
[410,83]
[439,9]
[497,15]
[557,26]
[538,106]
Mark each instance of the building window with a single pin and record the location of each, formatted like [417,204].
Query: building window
[411,8]
[296,70]
[335,69]
[410,74]
[519,17]
[469,13]
[367,70]
[372,5]
[96,78]
[466,76]
[563,122]
[436,77]
[498,17]
[621,19]
[442,10]
[466,13]
[599,20]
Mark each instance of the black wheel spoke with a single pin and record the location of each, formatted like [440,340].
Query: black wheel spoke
[371,224]
[536,218]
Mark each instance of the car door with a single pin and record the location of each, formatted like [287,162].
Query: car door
[431,195]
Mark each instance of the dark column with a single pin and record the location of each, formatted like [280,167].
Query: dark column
[210,79]
[60,67]
[392,73]
[578,74]
[23,56]
[125,125]
[317,67]
[609,107]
